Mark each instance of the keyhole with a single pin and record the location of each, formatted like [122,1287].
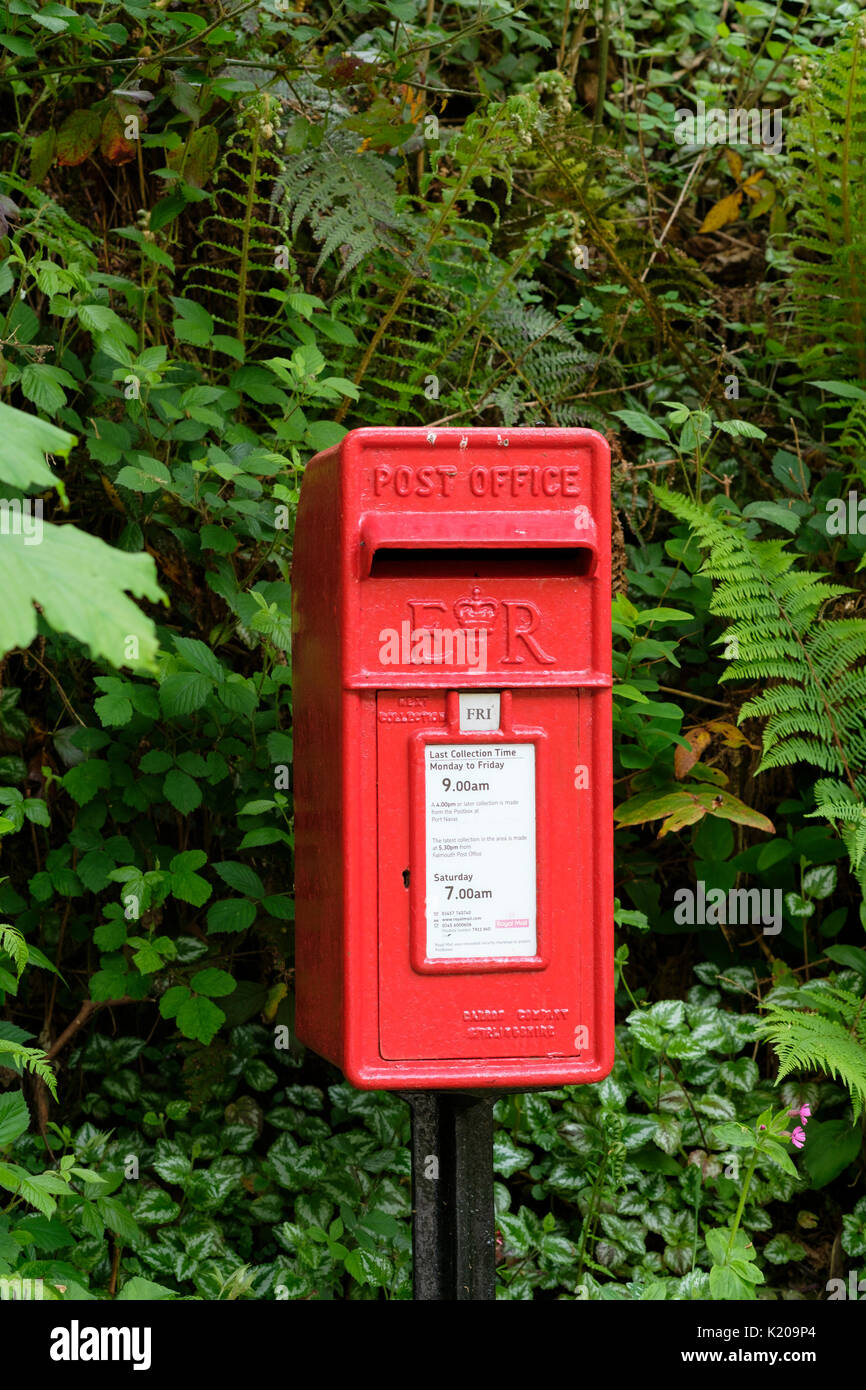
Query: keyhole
[405,878]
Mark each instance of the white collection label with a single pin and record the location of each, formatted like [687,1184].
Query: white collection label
[480,829]
[478,713]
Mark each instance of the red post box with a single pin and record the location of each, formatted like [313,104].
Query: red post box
[453,782]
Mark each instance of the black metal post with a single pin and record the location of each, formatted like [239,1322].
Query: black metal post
[452,1197]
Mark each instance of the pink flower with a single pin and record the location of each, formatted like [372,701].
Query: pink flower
[798,1135]
[804,1111]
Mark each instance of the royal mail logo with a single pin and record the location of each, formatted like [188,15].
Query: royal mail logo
[511,624]
[423,640]
[476,612]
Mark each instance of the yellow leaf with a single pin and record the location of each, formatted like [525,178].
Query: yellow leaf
[753,179]
[275,997]
[728,210]
[735,163]
[685,758]
[752,191]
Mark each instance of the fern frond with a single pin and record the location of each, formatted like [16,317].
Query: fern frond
[33,1059]
[815,712]
[827,194]
[806,1041]
[13,943]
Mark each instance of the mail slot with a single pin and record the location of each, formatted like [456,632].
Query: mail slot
[452,776]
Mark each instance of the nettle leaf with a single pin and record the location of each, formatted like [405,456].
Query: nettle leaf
[79,583]
[231,915]
[241,877]
[854,1230]
[517,1237]
[94,868]
[113,708]
[171,1001]
[111,935]
[182,791]
[208,1190]
[200,1019]
[186,884]
[184,693]
[213,983]
[200,657]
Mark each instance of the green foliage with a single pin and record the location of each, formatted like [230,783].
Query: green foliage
[816,711]
[282,224]
[824,1032]
[827,178]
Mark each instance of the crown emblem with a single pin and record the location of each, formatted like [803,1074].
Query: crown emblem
[476,611]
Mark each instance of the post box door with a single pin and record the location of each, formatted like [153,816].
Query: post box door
[485,876]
